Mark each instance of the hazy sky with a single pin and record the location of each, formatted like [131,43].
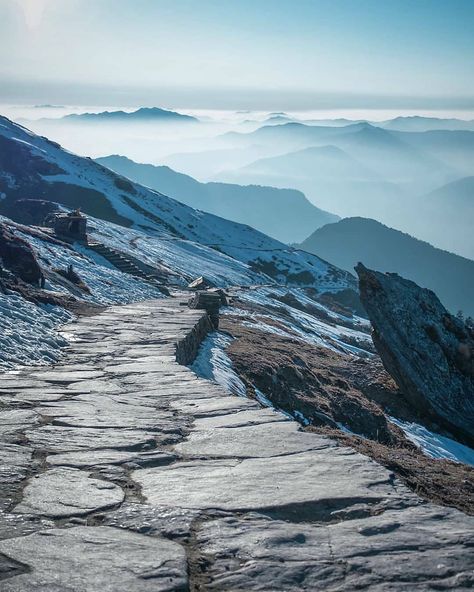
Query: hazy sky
[268,54]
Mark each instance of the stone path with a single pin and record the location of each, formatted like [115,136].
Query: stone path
[123,471]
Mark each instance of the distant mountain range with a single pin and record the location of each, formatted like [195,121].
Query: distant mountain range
[416,123]
[32,166]
[145,114]
[374,173]
[382,170]
[351,240]
[448,216]
[284,214]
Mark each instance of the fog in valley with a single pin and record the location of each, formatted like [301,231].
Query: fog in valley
[412,172]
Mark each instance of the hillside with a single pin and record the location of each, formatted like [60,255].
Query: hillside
[327,162]
[284,214]
[459,193]
[448,212]
[32,166]
[385,249]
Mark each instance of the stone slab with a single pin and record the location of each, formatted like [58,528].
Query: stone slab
[95,559]
[337,477]
[252,441]
[417,548]
[60,492]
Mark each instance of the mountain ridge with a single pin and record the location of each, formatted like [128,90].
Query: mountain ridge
[34,165]
[383,248]
[285,214]
[142,114]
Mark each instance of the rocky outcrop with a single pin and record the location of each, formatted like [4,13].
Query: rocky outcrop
[17,256]
[429,353]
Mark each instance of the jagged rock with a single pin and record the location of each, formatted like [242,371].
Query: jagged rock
[72,276]
[18,256]
[429,353]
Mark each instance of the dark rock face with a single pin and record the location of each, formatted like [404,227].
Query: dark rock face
[18,256]
[429,353]
[30,211]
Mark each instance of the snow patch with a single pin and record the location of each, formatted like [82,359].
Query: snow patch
[28,333]
[213,363]
[435,445]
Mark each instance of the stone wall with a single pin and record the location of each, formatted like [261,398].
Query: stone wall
[187,348]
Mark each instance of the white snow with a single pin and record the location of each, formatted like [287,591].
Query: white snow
[107,284]
[299,324]
[29,333]
[435,445]
[213,363]
[184,257]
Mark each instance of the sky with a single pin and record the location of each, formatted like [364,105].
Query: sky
[239,54]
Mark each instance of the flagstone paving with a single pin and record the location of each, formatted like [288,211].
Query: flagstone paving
[121,470]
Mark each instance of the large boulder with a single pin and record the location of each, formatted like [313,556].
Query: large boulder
[428,352]
[17,256]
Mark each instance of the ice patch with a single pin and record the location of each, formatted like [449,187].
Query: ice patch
[435,445]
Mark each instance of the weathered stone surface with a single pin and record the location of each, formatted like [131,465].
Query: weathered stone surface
[248,417]
[14,462]
[68,439]
[428,352]
[278,509]
[152,520]
[415,548]
[13,421]
[254,441]
[266,483]
[67,492]
[217,405]
[91,458]
[99,411]
[92,559]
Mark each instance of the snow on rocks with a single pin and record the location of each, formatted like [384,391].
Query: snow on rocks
[107,284]
[299,324]
[435,445]
[29,333]
[213,363]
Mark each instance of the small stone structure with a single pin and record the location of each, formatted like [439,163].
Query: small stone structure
[72,225]
[208,301]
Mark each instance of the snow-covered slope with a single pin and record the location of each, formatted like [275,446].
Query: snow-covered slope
[33,166]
